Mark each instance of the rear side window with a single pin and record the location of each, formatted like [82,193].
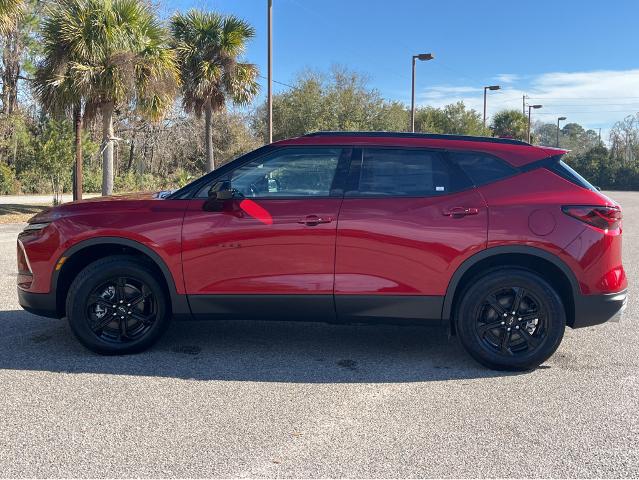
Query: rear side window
[482,168]
[566,171]
[406,173]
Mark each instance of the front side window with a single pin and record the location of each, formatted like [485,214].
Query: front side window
[406,173]
[307,172]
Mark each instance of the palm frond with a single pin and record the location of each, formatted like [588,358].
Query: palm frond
[208,45]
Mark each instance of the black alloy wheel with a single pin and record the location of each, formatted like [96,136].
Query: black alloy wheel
[116,305]
[510,319]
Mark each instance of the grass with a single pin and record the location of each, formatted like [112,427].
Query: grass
[13,213]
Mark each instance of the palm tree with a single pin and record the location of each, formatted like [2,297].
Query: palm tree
[10,10]
[208,46]
[101,54]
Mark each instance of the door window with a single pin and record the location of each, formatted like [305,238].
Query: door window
[407,173]
[307,172]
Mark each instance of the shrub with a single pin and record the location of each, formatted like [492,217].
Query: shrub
[8,182]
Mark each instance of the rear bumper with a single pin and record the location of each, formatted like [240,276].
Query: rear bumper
[595,309]
[43,304]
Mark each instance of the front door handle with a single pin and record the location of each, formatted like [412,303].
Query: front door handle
[313,220]
[459,212]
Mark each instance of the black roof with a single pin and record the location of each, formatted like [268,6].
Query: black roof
[435,136]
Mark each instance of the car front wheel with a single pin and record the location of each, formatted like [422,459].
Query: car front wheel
[116,306]
[510,319]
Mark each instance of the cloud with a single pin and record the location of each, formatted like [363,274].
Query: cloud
[507,77]
[595,99]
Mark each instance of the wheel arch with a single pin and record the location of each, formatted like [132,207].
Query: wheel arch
[82,253]
[544,263]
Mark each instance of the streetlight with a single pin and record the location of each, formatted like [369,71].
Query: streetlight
[491,87]
[530,107]
[423,57]
[558,120]
[269,100]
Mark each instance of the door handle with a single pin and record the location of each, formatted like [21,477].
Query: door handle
[313,220]
[459,212]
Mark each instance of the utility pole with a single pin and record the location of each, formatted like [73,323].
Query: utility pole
[523,104]
[270,71]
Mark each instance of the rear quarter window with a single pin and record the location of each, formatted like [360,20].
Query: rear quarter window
[567,172]
[482,168]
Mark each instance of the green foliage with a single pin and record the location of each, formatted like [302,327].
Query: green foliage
[338,101]
[7,180]
[453,119]
[55,155]
[510,123]
[9,11]
[208,45]
[105,52]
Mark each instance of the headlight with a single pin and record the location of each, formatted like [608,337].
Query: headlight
[32,227]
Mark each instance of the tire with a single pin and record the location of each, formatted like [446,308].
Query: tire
[495,337]
[122,289]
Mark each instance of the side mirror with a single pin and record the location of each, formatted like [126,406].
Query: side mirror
[219,200]
[223,195]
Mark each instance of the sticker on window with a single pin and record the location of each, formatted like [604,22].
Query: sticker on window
[440,189]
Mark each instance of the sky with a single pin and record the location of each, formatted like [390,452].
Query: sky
[579,59]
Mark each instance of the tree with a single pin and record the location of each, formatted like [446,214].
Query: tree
[54,152]
[208,46]
[510,123]
[452,119]
[340,100]
[624,139]
[12,13]
[104,54]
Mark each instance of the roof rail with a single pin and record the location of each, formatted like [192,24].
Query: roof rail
[434,136]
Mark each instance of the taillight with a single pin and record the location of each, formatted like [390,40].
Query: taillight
[605,218]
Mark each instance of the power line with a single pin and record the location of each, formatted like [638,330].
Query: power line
[275,81]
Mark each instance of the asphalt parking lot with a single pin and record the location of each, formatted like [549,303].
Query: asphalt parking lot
[236,399]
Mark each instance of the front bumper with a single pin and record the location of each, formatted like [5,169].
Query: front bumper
[595,309]
[43,304]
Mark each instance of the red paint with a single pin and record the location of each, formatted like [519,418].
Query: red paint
[406,246]
[399,246]
[234,252]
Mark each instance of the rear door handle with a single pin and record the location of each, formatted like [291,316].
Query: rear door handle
[312,220]
[458,212]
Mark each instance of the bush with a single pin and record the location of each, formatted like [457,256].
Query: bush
[92,181]
[8,182]
[32,181]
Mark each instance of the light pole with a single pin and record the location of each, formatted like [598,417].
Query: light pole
[269,100]
[491,87]
[558,120]
[530,107]
[423,57]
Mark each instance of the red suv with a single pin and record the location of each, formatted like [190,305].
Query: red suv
[498,240]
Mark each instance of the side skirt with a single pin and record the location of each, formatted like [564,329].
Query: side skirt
[398,309]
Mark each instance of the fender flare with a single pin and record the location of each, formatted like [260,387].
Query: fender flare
[179,302]
[494,251]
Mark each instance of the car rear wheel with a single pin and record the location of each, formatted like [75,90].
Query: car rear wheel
[116,306]
[510,319]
